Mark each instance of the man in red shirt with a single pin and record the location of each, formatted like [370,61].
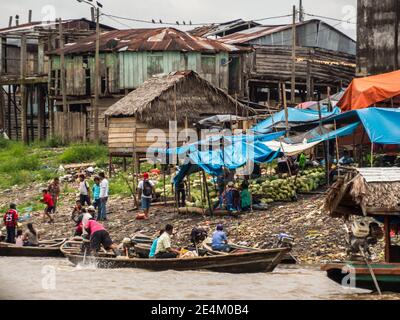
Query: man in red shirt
[48,200]
[10,220]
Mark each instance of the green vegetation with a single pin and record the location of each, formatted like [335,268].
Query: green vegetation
[21,164]
[76,153]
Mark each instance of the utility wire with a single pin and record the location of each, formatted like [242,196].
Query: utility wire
[185,23]
[330,18]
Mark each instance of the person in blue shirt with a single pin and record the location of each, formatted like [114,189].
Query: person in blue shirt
[154,245]
[96,193]
[220,240]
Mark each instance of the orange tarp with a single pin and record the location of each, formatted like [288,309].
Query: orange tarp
[365,92]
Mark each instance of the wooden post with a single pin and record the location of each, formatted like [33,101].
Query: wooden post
[24,100]
[30,16]
[32,92]
[15,111]
[9,111]
[97,78]
[387,239]
[50,100]
[63,83]
[208,194]
[41,55]
[2,55]
[308,79]
[286,109]
[326,149]
[372,154]
[2,110]
[293,78]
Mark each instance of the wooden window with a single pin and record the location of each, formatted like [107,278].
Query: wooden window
[155,64]
[208,64]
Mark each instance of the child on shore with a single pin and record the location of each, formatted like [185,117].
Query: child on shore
[48,200]
[10,220]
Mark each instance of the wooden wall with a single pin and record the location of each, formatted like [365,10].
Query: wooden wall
[77,126]
[125,133]
[328,67]
[378,37]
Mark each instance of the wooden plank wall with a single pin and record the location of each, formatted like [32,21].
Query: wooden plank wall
[121,136]
[275,63]
[77,127]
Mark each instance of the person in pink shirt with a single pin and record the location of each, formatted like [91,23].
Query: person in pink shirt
[99,236]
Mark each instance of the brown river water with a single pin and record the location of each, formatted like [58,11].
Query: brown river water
[45,278]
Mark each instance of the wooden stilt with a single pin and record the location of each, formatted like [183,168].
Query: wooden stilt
[208,194]
[387,239]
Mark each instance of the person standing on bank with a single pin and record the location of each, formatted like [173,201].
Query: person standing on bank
[54,190]
[145,190]
[10,220]
[96,194]
[84,191]
[103,197]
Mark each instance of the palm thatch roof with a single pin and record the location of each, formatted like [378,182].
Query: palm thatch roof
[365,191]
[193,98]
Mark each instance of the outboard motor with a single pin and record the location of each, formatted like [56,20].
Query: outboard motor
[284,241]
[198,235]
[362,235]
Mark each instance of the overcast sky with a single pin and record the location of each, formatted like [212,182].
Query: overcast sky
[198,11]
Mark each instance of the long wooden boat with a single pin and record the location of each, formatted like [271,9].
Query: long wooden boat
[357,274]
[46,248]
[287,259]
[248,262]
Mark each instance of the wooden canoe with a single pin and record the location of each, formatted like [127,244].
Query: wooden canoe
[357,274]
[46,248]
[287,259]
[248,262]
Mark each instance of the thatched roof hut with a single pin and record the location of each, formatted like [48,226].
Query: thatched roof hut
[182,95]
[365,191]
[154,101]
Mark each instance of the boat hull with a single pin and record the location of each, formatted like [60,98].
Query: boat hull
[287,258]
[250,262]
[47,249]
[387,275]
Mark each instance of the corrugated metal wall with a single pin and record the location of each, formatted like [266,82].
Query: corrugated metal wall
[313,34]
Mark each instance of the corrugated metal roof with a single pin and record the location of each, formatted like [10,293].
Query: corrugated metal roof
[67,23]
[380,174]
[260,31]
[223,29]
[253,33]
[158,39]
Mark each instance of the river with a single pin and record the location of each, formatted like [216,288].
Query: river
[45,278]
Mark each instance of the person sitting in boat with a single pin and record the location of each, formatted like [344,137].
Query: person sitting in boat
[31,236]
[19,240]
[154,245]
[163,249]
[10,221]
[125,245]
[99,236]
[220,240]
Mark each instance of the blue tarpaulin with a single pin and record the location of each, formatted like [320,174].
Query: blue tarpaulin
[381,124]
[295,116]
[341,132]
